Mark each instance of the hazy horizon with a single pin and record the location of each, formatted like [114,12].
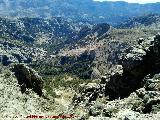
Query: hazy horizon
[133,1]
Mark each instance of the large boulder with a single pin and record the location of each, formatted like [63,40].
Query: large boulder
[88,94]
[28,78]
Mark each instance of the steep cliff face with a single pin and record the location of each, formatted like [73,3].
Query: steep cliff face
[14,104]
[108,56]
[132,87]
[28,79]
[115,45]
[136,64]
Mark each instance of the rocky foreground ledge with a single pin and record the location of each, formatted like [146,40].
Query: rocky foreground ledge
[131,91]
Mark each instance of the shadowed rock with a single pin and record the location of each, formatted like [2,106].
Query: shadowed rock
[137,63]
[28,78]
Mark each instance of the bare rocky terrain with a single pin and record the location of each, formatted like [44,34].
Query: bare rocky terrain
[89,69]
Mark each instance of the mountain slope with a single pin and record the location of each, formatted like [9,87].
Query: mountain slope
[51,34]
[56,41]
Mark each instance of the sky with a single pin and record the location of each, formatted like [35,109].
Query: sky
[134,1]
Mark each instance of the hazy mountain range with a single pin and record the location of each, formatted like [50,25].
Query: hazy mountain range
[79,10]
[93,60]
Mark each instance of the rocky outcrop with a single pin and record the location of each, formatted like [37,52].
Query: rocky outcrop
[107,56]
[28,78]
[137,63]
[139,105]
[131,91]
[14,104]
[89,93]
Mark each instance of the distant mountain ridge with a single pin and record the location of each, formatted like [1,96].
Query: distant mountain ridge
[78,10]
[151,20]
